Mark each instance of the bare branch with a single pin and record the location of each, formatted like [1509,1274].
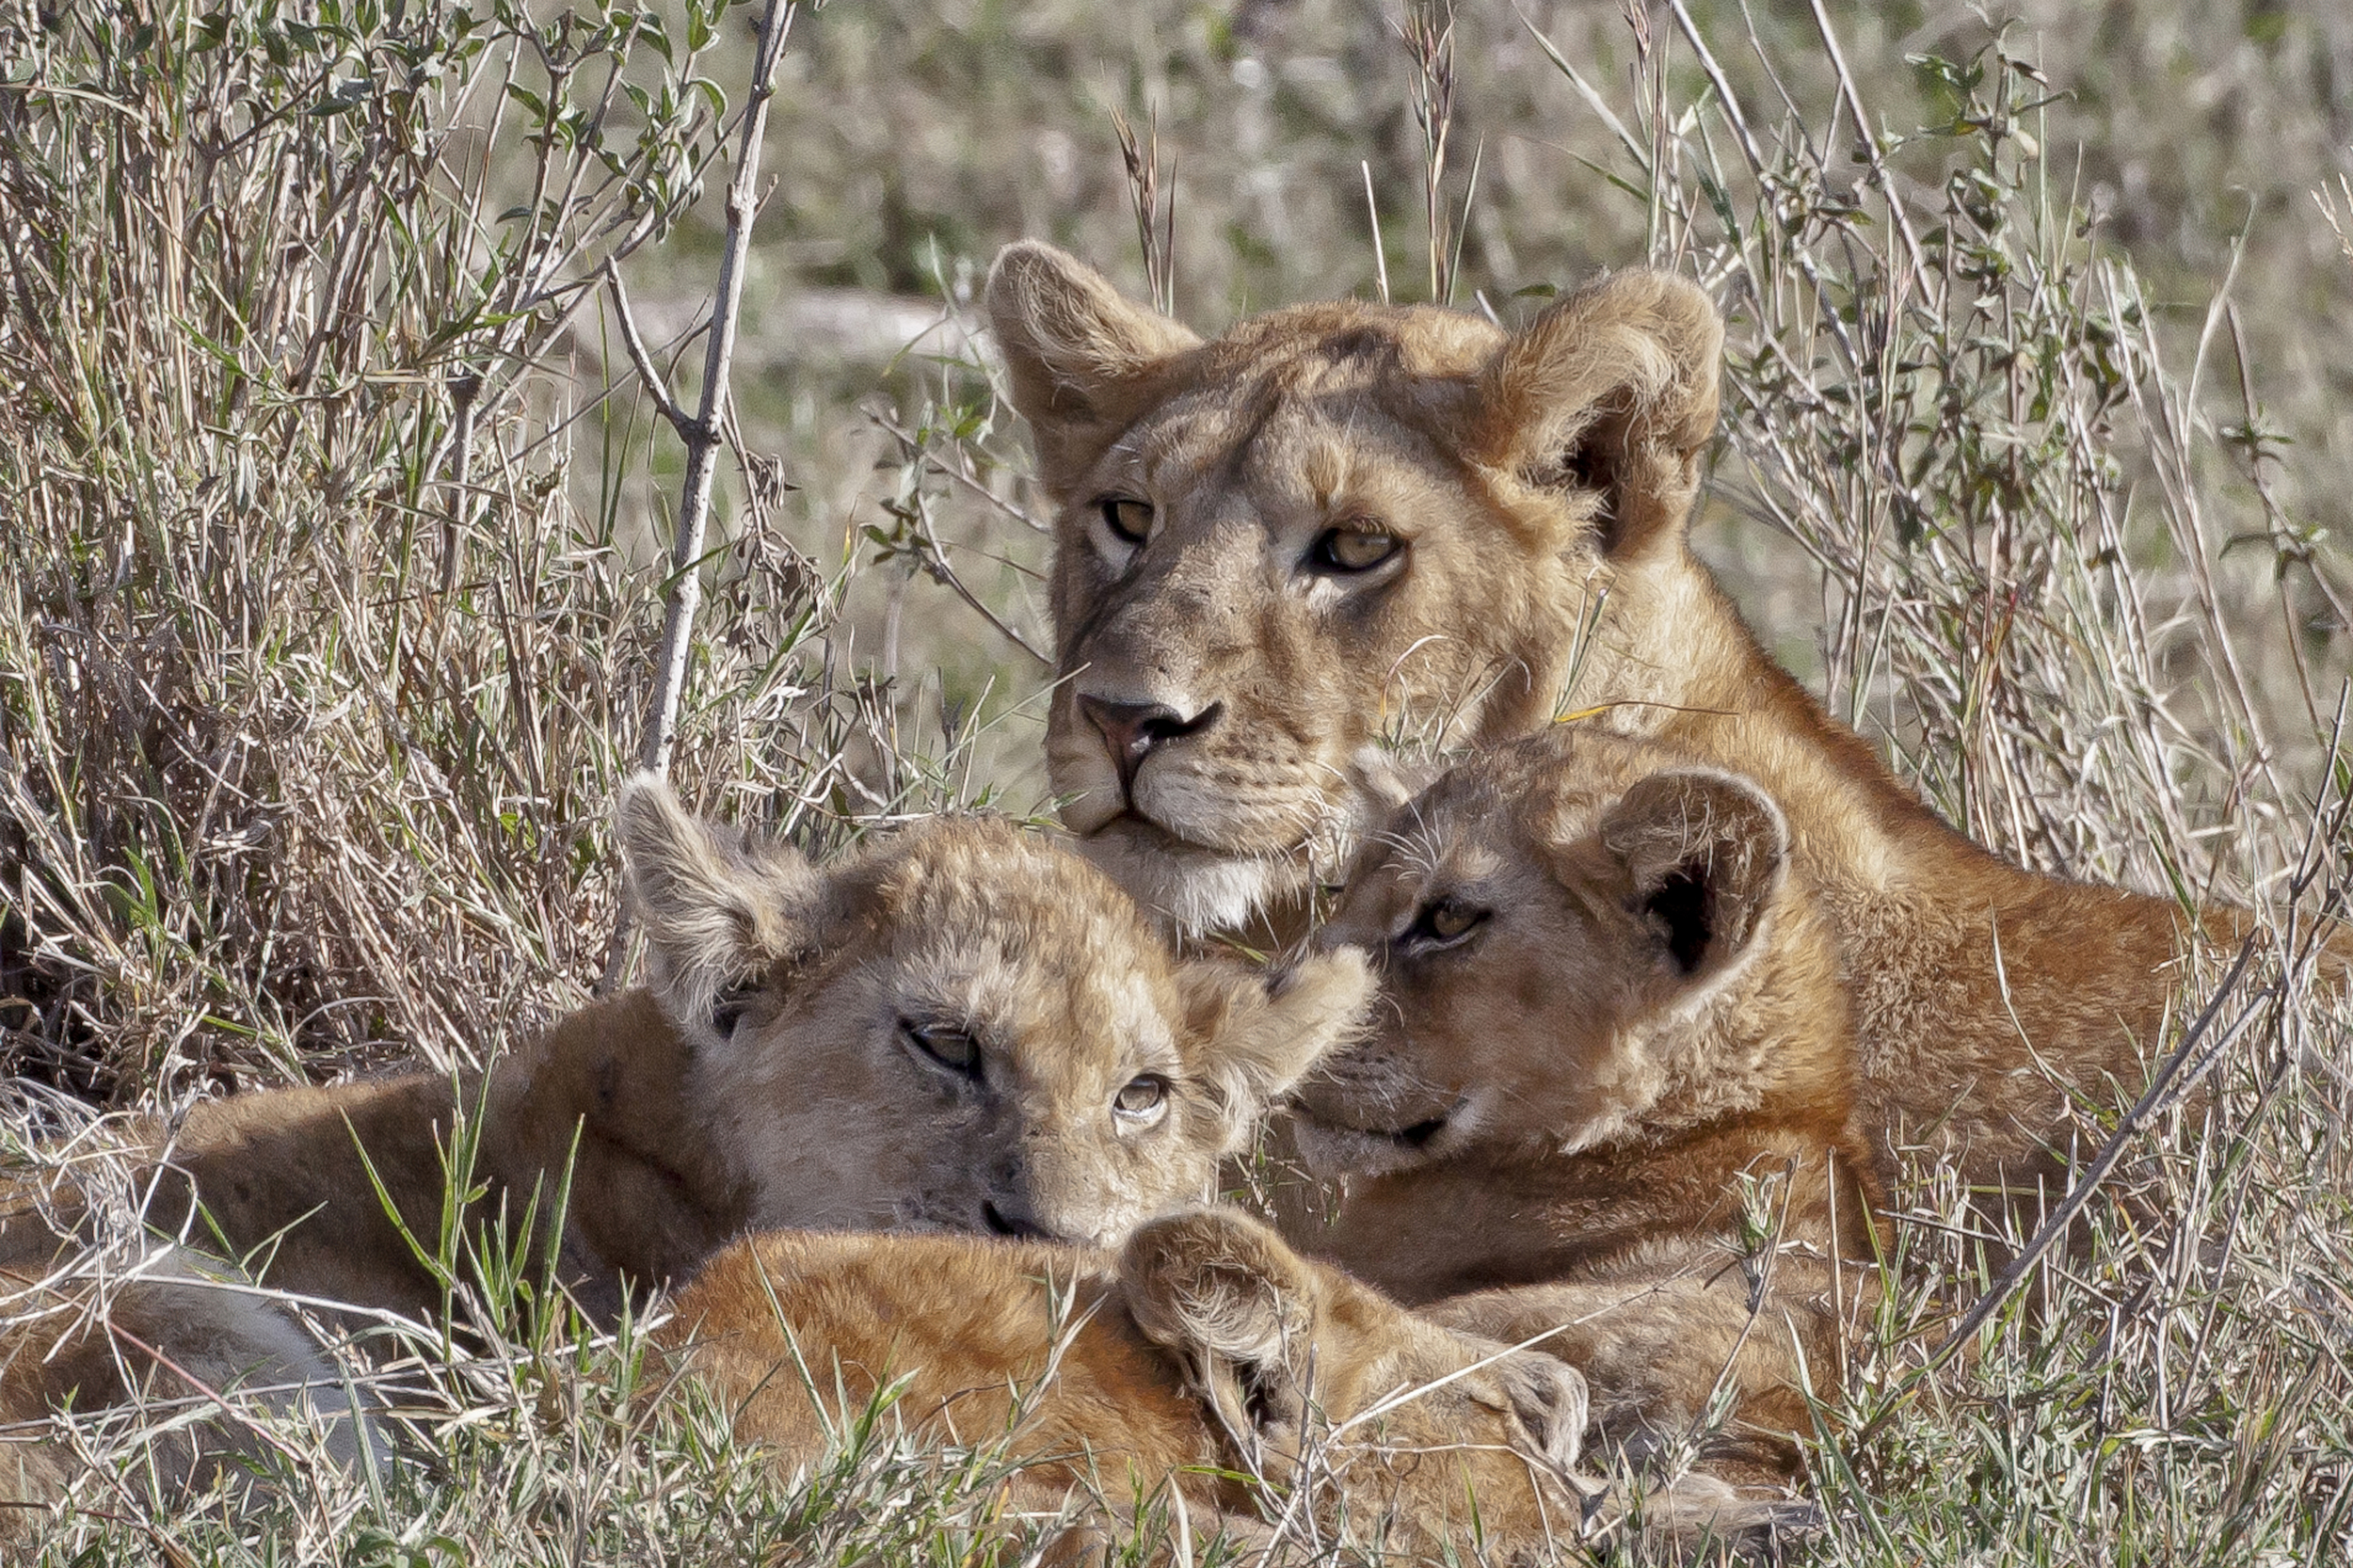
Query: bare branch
[648,373]
[702,435]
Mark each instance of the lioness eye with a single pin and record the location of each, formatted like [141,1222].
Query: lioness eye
[1353,549]
[1141,1096]
[1127,518]
[945,1044]
[1441,923]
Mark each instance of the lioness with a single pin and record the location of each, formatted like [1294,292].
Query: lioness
[1611,1088]
[1203,1354]
[960,1027]
[1341,519]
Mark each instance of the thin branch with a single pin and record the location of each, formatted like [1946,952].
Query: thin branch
[703,434]
[648,372]
[465,394]
[702,437]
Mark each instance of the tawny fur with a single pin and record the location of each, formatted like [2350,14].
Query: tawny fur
[769,1079]
[1616,1108]
[1202,1353]
[1543,482]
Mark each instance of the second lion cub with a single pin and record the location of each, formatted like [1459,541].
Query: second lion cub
[1205,1356]
[1607,1103]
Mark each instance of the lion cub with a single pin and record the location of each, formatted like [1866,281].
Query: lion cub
[1608,1104]
[1204,1354]
[960,1027]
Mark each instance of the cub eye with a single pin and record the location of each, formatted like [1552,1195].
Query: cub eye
[947,1045]
[1141,1096]
[1442,923]
[1127,518]
[1353,548]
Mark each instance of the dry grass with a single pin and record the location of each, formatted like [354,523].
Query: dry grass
[328,589]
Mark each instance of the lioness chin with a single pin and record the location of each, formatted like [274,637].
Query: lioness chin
[1341,525]
[1606,1103]
[960,1027]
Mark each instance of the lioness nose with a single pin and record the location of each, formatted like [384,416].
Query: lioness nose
[1131,731]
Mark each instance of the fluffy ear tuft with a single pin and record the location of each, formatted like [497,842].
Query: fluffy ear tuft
[1235,1304]
[1704,852]
[1609,398]
[1255,1034]
[719,912]
[1077,350]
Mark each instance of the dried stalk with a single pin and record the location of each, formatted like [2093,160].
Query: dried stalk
[1156,216]
[702,433]
[1429,34]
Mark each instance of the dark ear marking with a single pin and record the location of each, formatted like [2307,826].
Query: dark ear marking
[729,1007]
[1703,851]
[1680,905]
[1592,463]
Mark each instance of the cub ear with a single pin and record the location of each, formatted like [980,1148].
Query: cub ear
[1079,352]
[1235,1305]
[1702,853]
[1551,1402]
[719,911]
[1608,398]
[1254,1033]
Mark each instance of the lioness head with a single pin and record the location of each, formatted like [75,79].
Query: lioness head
[1309,1371]
[1338,525]
[1572,934]
[959,1026]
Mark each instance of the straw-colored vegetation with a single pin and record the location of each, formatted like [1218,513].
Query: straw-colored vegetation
[331,514]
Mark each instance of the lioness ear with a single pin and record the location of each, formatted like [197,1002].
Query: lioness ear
[1236,1305]
[1077,350]
[719,911]
[1608,399]
[1702,853]
[1254,1035]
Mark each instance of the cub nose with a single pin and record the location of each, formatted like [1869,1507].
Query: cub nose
[1021,1225]
[1132,731]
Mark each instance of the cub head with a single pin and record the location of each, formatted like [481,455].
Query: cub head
[960,1027]
[1310,1372]
[1336,528]
[1577,937]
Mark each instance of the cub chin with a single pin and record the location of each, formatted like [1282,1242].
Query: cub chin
[1606,1104]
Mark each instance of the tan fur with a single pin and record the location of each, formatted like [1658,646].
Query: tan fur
[1542,480]
[768,1080]
[1204,1354]
[1619,1103]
